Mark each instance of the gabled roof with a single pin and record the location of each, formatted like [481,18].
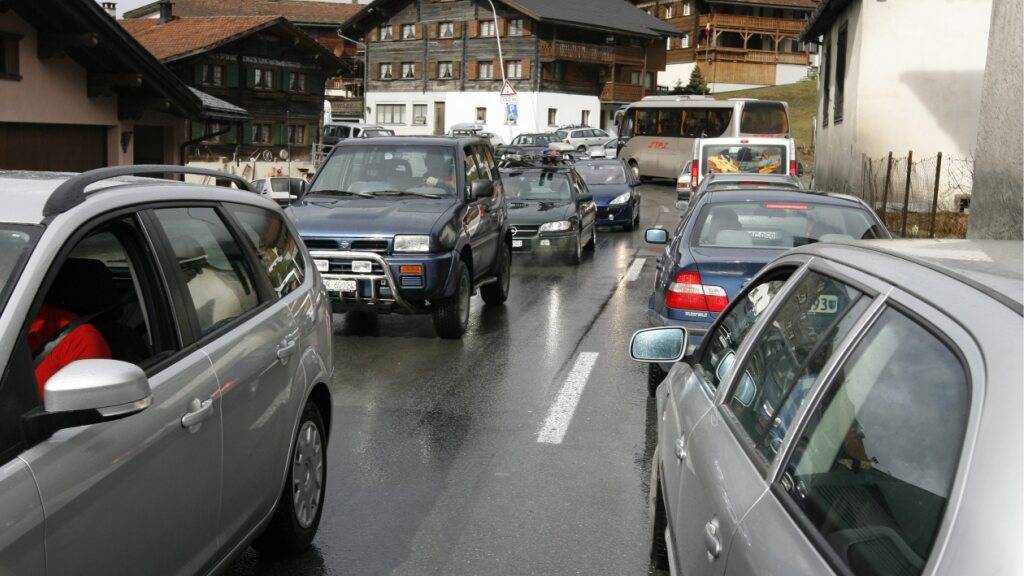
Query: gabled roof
[298,11]
[615,16]
[185,37]
[218,109]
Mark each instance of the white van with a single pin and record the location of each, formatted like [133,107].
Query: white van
[740,156]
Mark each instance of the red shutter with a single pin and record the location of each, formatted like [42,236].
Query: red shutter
[527,27]
[457,29]
[473,70]
[526,69]
[474,28]
[456,69]
[374,35]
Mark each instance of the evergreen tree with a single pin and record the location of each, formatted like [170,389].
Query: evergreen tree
[678,88]
[697,84]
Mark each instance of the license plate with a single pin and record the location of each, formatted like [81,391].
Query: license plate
[362,267]
[825,304]
[334,285]
[517,243]
[322,265]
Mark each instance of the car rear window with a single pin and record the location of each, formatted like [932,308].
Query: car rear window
[780,224]
[764,118]
[539,185]
[745,158]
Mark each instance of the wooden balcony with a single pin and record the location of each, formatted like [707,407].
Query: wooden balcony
[719,54]
[621,92]
[737,23]
[551,50]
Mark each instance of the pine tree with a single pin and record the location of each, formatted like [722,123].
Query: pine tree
[678,88]
[697,84]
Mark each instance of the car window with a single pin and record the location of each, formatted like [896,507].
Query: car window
[16,244]
[599,174]
[745,158]
[218,277]
[788,355]
[485,163]
[538,185]
[387,170]
[873,469]
[275,245]
[721,344]
[472,168]
[781,224]
[600,134]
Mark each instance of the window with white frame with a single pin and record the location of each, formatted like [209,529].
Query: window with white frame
[669,11]
[263,78]
[386,33]
[514,69]
[446,30]
[386,73]
[419,114]
[486,71]
[444,70]
[408,31]
[552,116]
[515,27]
[296,82]
[487,28]
[408,70]
[391,114]
[261,133]
[634,78]
[296,134]
[481,115]
[686,8]
[684,42]
[212,74]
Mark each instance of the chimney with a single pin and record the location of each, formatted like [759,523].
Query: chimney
[110,8]
[166,11]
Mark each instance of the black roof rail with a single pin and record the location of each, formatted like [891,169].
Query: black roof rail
[72,191]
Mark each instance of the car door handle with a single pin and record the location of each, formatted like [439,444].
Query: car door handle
[711,540]
[287,348]
[197,413]
[681,448]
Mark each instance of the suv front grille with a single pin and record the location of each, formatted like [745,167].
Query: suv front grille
[379,245]
[318,244]
[521,231]
[374,245]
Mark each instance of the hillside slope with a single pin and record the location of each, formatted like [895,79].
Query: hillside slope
[802,98]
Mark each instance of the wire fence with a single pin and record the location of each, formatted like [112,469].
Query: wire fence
[919,197]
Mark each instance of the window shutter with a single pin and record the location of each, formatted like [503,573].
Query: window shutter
[199,74]
[396,70]
[315,84]
[374,35]
[501,27]
[197,130]
[281,80]
[247,133]
[457,29]
[527,26]
[417,70]
[433,29]
[432,70]
[419,30]
[473,70]
[375,71]
[474,28]
[456,69]
[230,137]
[231,73]
[311,134]
[250,74]
[526,69]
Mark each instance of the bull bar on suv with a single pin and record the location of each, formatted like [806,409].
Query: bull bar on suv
[375,300]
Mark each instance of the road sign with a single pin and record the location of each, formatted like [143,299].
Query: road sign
[508,93]
[511,112]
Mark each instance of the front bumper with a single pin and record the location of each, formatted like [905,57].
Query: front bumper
[615,214]
[545,243]
[385,288]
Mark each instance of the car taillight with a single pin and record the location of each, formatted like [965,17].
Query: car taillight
[682,185]
[687,292]
[792,168]
[694,173]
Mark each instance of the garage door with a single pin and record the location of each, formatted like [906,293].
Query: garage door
[56,147]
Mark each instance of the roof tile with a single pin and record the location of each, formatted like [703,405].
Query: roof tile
[184,35]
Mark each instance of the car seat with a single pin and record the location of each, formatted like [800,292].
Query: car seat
[721,219]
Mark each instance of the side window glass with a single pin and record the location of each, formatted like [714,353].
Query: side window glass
[723,342]
[483,169]
[788,355]
[218,277]
[873,470]
[492,166]
[472,170]
[275,245]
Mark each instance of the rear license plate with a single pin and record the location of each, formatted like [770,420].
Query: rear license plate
[826,304]
[334,285]
[517,243]
[322,265]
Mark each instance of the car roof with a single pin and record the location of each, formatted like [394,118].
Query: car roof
[993,267]
[412,141]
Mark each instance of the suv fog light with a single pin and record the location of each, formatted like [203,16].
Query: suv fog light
[362,267]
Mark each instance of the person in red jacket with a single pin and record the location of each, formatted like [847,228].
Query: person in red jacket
[84,342]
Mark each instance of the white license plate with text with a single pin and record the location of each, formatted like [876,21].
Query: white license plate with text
[517,243]
[336,285]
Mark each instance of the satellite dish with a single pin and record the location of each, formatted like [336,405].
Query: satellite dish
[283,154]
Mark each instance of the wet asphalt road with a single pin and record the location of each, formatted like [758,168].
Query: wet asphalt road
[434,461]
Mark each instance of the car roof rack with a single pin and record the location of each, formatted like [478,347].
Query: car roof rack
[72,191]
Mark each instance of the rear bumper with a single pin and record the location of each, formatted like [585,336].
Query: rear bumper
[385,288]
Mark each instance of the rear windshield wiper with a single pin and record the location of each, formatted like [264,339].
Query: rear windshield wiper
[331,192]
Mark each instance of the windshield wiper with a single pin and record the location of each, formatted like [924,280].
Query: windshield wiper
[332,192]
[409,192]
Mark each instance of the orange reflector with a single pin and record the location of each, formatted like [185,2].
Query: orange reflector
[410,269]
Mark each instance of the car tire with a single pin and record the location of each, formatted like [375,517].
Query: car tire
[635,168]
[451,317]
[592,245]
[575,255]
[655,375]
[659,521]
[582,149]
[496,293]
[291,531]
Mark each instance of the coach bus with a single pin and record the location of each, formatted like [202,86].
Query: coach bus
[659,131]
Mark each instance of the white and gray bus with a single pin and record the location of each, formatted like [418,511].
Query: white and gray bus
[659,131]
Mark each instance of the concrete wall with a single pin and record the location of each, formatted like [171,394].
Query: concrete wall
[460,107]
[998,187]
[908,87]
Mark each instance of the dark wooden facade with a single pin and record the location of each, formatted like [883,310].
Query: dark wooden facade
[429,38]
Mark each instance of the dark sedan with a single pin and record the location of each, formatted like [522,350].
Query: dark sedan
[529,148]
[551,211]
[727,236]
[615,191]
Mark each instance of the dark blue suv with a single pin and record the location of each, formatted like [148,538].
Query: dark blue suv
[409,225]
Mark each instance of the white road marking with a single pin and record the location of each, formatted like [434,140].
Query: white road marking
[561,412]
[664,209]
[634,271]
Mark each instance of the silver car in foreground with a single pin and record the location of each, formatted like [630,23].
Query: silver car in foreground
[165,352]
[856,410]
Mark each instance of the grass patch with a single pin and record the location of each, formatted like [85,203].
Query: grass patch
[802,98]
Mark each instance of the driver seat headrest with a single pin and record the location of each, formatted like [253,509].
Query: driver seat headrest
[83,286]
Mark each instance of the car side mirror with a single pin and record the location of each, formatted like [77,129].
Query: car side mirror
[656,236]
[97,390]
[586,197]
[662,344]
[682,205]
[481,189]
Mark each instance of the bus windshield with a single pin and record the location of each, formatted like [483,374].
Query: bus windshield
[764,118]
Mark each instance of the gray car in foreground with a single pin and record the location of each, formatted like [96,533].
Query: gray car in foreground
[856,410]
[165,352]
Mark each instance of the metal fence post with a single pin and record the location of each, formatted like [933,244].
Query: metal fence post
[885,189]
[906,194]
[935,193]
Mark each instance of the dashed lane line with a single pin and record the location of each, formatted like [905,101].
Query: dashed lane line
[634,270]
[561,412]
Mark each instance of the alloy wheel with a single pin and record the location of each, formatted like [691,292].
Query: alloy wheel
[307,474]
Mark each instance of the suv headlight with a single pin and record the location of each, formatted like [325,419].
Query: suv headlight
[411,243]
[621,198]
[560,226]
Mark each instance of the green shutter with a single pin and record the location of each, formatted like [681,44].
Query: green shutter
[280,135]
[250,77]
[198,129]
[199,74]
[314,83]
[232,76]
[230,137]
[312,134]
[247,133]
[281,80]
